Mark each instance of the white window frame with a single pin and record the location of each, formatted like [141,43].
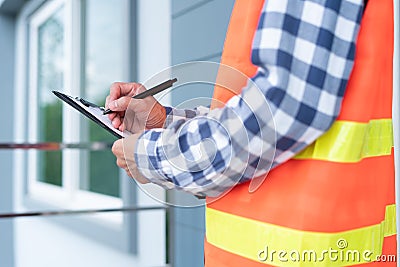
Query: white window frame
[39,18]
[68,195]
[142,233]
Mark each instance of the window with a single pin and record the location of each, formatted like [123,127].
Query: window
[49,73]
[77,48]
[105,39]
[84,63]
[94,46]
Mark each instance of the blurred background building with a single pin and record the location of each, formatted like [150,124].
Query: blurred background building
[80,47]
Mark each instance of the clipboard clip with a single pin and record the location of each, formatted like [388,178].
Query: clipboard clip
[88,104]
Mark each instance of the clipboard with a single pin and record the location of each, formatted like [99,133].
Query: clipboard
[93,112]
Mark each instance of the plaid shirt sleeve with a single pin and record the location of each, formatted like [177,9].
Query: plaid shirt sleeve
[304,51]
[174,114]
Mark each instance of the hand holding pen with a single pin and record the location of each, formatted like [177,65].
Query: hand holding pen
[131,107]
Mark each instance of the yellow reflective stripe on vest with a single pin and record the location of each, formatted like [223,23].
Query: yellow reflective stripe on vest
[281,246]
[348,141]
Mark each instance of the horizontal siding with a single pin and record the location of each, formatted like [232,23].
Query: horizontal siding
[188,255]
[196,83]
[200,33]
[194,217]
[180,7]
[192,95]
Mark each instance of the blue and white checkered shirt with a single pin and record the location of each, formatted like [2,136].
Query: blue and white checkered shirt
[304,51]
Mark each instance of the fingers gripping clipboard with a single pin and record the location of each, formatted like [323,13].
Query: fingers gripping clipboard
[93,112]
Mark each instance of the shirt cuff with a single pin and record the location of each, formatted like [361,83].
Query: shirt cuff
[176,114]
[149,160]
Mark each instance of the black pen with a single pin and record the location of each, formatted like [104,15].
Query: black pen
[152,91]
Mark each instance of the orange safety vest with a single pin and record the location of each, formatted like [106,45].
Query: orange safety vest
[333,204]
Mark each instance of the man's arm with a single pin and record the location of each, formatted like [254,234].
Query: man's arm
[304,51]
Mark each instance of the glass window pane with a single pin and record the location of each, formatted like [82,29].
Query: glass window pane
[50,77]
[104,61]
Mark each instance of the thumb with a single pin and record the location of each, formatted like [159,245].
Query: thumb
[120,104]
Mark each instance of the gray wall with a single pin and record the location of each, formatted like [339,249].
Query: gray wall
[6,135]
[198,33]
